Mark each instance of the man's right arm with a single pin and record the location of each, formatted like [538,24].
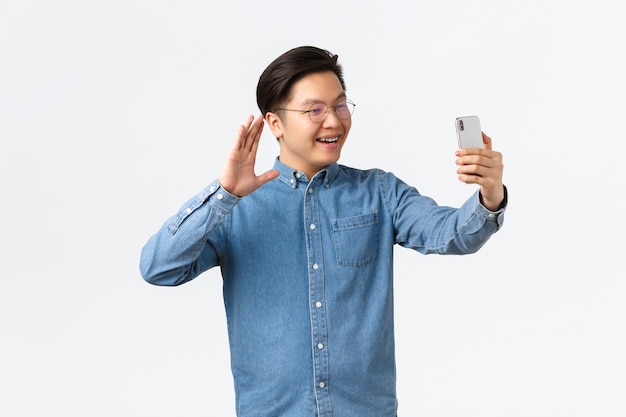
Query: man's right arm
[181,250]
[185,246]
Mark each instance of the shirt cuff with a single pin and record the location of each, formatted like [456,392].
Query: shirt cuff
[502,205]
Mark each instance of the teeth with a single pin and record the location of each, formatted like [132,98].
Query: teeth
[329,140]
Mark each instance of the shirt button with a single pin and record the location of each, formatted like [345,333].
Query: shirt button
[318,304]
[310,190]
[316,266]
[312,227]
[322,385]
[320,346]
[298,175]
[291,181]
[188,210]
[212,189]
[220,196]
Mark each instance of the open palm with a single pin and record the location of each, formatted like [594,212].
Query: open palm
[238,176]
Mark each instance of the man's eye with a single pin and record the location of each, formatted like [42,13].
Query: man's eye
[316,110]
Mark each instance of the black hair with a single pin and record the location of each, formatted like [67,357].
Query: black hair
[275,82]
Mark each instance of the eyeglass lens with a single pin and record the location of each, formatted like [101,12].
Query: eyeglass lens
[343,110]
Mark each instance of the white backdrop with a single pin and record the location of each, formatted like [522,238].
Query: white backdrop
[113,113]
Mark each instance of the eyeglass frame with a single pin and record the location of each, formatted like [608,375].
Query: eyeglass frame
[347,101]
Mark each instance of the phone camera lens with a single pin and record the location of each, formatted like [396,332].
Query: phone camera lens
[461,125]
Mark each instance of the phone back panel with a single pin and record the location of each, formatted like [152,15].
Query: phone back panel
[468,132]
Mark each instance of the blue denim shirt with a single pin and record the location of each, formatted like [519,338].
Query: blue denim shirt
[307,270]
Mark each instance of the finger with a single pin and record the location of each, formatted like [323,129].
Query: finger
[251,132]
[240,141]
[469,179]
[472,170]
[482,157]
[477,162]
[486,141]
[480,174]
[485,167]
[255,134]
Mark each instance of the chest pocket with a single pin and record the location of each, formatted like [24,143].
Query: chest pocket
[356,239]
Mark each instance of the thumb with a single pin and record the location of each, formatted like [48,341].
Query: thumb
[486,141]
[267,176]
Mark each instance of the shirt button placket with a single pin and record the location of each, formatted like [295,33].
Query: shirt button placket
[316,293]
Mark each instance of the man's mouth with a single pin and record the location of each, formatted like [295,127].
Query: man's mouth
[328,140]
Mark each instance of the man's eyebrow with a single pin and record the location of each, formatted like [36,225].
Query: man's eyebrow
[314,100]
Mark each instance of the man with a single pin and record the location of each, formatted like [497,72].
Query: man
[306,249]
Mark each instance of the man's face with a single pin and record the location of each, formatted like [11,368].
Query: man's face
[305,145]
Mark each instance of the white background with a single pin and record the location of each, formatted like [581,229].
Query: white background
[113,113]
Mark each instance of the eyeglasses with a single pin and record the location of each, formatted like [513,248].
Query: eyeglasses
[319,111]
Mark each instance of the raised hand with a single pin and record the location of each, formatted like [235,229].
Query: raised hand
[483,167]
[238,176]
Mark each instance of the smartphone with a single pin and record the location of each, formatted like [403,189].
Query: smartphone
[468,132]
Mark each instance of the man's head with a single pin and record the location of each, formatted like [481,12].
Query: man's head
[302,96]
[275,83]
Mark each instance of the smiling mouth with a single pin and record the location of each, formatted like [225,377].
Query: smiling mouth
[328,140]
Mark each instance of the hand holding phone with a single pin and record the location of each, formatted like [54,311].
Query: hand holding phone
[468,132]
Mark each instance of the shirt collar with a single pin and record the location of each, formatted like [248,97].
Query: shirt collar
[292,177]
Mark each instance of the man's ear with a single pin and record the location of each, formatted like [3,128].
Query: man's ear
[275,124]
